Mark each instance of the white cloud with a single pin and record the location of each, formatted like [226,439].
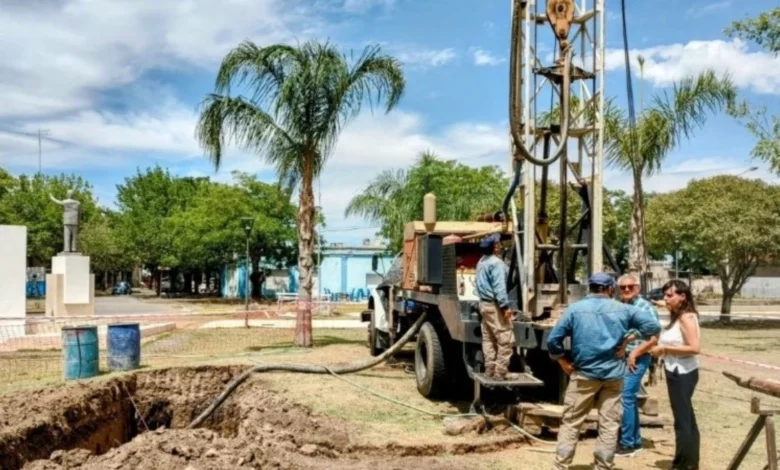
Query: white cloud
[666,64]
[424,58]
[362,6]
[485,58]
[371,144]
[699,11]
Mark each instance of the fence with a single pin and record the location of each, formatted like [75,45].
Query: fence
[31,350]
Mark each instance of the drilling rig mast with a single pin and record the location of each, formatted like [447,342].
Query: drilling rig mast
[575,86]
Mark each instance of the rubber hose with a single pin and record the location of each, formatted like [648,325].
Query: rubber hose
[513,125]
[512,188]
[310,369]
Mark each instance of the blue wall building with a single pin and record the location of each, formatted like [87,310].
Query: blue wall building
[345,269]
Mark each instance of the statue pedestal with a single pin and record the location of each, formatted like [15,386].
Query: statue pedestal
[13,280]
[70,288]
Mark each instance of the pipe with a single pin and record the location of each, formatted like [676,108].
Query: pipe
[512,187]
[309,369]
[513,105]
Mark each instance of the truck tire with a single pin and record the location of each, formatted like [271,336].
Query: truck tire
[429,365]
[377,340]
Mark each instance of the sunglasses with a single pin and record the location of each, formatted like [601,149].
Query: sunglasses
[629,287]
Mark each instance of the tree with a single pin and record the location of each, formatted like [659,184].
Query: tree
[395,197]
[764,31]
[100,241]
[659,129]
[210,231]
[298,99]
[726,222]
[7,184]
[147,201]
[27,203]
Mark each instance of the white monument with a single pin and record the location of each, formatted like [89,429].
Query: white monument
[70,288]
[13,280]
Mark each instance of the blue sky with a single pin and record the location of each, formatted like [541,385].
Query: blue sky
[117,84]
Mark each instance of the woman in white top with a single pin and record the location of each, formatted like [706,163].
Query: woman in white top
[679,347]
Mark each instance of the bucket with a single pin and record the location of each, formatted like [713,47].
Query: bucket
[80,352]
[124,346]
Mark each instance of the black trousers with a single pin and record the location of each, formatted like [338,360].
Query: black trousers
[686,431]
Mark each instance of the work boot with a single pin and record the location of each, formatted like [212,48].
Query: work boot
[508,376]
[490,371]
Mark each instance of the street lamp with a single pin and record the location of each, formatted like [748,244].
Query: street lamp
[248,222]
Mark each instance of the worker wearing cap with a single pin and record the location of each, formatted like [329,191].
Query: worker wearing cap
[497,335]
[596,326]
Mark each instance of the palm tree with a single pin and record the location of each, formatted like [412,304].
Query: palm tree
[659,129]
[297,101]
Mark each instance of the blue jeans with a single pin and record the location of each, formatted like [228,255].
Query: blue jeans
[629,428]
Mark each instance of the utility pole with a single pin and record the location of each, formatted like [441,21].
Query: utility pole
[40,134]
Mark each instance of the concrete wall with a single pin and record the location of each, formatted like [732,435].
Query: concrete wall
[13,271]
[342,272]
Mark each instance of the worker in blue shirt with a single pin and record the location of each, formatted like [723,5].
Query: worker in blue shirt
[497,335]
[597,326]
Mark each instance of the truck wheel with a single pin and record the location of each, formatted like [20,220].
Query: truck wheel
[377,340]
[429,366]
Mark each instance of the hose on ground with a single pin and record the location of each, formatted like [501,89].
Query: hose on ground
[309,369]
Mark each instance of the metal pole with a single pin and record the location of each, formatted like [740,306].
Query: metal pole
[246,283]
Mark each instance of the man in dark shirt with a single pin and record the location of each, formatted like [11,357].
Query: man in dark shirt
[597,326]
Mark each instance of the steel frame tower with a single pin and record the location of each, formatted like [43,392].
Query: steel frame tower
[585,142]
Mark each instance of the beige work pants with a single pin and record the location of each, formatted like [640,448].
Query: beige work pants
[497,339]
[581,395]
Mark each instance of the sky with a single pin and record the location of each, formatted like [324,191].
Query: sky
[116,86]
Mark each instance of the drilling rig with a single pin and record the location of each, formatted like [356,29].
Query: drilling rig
[435,273]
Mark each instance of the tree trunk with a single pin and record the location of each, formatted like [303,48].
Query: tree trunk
[725,306]
[637,249]
[305,256]
[198,280]
[157,276]
[188,283]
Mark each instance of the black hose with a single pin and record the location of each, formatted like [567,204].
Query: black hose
[512,188]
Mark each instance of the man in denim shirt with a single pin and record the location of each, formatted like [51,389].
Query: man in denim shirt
[497,334]
[597,325]
[637,348]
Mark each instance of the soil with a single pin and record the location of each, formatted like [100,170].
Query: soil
[138,421]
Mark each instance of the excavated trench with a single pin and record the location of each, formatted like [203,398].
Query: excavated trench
[138,421]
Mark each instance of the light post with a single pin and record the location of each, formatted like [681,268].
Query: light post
[249,222]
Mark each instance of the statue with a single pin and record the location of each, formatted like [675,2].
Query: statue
[70,219]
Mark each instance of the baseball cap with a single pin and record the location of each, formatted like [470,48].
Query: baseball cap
[602,279]
[490,240]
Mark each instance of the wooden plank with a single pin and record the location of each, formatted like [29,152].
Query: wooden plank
[771,444]
[411,229]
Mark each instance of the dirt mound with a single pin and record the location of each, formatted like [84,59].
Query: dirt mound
[137,421]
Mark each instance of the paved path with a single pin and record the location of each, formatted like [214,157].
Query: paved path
[128,305]
[315,323]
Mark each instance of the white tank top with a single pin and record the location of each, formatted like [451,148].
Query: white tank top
[673,337]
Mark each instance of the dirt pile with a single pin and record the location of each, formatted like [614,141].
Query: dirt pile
[96,426]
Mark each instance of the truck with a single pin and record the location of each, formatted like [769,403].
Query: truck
[435,274]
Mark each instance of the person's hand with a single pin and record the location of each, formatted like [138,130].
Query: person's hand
[508,313]
[632,361]
[567,366]
[657,351]
[621,352]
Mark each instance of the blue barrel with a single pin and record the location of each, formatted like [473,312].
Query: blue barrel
[80,352]
[124,346]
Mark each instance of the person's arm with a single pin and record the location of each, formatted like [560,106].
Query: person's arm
[497,276]
[57,201]
[690,337]
[644,322]
[560,331]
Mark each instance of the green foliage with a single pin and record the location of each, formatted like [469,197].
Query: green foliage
[726,223]
[25,201]
[395,197]
[764,31]
[103,244]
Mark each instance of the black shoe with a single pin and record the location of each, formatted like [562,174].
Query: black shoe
[626,452]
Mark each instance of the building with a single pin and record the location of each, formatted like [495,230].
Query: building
[345,269]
